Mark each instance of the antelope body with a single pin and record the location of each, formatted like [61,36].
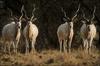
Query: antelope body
[11,35]
[88,33]
[30,33]
[65,32]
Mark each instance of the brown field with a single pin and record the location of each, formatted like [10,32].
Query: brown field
[51,58]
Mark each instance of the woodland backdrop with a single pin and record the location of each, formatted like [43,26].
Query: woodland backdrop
[50,17]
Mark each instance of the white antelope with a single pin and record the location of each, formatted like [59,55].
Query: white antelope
[88,32]
[30,33]
[11,34]
[65,32]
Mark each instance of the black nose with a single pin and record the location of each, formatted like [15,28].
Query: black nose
[19,27]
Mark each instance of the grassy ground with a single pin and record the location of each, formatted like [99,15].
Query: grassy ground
[51,58]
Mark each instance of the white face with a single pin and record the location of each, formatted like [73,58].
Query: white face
[18,24]
[71,24]
[29,22]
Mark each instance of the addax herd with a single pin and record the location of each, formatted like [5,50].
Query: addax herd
[11,32]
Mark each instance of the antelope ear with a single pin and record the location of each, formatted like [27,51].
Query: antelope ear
[16,20]
[83,21]
[34,19]
[12,19]
[64,19]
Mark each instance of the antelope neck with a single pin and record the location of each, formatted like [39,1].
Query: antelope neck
[28,30]
[17,32]
[70,24]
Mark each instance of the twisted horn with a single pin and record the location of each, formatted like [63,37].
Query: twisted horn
[21,12]
[11,14]
[64,14]
[34,9]
[93,13]
[76,13]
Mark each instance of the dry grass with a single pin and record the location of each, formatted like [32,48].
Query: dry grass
[51,58]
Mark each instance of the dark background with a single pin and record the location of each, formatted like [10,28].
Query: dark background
[50,17]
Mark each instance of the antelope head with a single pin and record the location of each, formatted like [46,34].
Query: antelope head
[74,18]
[32,19]
[18,23]
[88,21]
[65,18]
